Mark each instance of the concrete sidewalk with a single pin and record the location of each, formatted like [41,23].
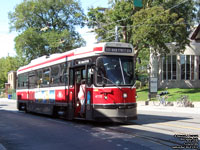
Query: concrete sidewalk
[151,107]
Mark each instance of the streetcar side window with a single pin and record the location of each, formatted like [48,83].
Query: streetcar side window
[55,74]
[39,77]
[90,77]
[78,77]
[20,81]
[23,81]
[71,80]
[84,74]
[46,77]
[63,74]
[32,79]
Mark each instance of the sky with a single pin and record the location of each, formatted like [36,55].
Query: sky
[7,38]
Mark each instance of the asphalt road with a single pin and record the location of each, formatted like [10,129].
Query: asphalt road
[154,130]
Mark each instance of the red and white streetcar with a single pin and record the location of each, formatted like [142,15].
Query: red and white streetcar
[50,84]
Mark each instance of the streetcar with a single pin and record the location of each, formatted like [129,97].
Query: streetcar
[50,84]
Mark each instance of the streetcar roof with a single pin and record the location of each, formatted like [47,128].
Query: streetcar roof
[107,48]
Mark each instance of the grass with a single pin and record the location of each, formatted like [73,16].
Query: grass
[174,94]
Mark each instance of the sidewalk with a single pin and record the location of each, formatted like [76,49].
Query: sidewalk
[151,107]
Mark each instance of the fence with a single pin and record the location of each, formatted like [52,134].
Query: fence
[10,94]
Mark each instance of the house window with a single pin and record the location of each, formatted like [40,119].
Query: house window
[192,67]
[183,67]
[164,68]
[174,60]
[169,67]
[187,67]
[199,67]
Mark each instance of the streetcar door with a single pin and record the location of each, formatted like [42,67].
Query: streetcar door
[71,94]
[89,84]
[80,75]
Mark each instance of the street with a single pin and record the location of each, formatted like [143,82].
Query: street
[154,130]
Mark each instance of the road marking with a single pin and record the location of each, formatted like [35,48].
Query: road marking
[178,126]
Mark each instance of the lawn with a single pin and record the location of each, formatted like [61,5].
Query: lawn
[174,94]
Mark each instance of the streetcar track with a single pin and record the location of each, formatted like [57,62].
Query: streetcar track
[181,121]
[157,140]
[167,120]
[149,138]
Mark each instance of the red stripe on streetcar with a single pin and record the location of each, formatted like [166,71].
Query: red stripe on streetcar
[94,50]
[67,55]
[98,49]
[48,61]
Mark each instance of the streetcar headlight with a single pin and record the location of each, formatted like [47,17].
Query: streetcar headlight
[125,95]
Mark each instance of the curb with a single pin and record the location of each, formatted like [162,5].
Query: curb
[174,109]
[2,147]
[142,103]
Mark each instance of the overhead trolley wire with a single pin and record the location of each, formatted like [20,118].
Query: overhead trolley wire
[133,26]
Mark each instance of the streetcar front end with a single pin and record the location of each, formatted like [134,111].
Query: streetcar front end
[114,93]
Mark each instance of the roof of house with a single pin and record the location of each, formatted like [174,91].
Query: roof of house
[196,33]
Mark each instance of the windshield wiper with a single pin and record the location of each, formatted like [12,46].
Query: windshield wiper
[133,85]
[122,70]
[111,82]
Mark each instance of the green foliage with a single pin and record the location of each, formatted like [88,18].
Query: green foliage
[157,23]
[7,64]
[56,14]
[173,95]
[137,84]
[46,27]
[105,20]
[154,27]
[197,6]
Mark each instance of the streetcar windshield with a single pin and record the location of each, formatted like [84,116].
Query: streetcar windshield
[115,70]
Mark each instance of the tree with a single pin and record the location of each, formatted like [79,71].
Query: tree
[104,20]
[197,4]
[154,27]
[46,27]
[7,64]
[184,9]
[174,17]
[148,28]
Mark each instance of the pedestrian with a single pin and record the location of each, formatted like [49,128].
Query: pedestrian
[81,96]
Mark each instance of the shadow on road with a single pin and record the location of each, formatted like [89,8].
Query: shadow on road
[35,130]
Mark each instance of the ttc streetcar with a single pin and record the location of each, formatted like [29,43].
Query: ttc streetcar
[50,84]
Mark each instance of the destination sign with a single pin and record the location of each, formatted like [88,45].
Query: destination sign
[85,61]
[118,50]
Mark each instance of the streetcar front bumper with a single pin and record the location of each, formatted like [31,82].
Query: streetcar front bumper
[116,112]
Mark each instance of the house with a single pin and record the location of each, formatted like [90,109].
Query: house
[178,70]
[12,79]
